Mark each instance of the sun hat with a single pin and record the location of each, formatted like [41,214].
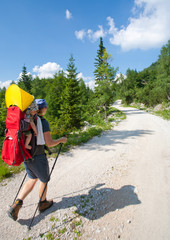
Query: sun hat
[33,106]
[41,103]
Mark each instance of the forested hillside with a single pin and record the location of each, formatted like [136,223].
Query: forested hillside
[150,86]
[71,102]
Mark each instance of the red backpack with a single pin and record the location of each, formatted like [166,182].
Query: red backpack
[13,150]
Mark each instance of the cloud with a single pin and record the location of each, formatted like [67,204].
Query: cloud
[47,70]
[80,34]
[93,36]
[5,84]
[120,77]
[20,75]
[91,84]
[68,14]
[148,27]
[89,81]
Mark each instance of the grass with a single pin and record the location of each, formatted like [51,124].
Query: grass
[73,139]
[7,171]
[165,114]
[62,231]
[49,236]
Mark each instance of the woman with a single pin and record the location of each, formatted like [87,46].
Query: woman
[38,168]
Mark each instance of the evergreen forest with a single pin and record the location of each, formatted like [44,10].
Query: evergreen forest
[71,103]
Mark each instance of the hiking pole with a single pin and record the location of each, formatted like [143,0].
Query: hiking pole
[29,227]
[20,188]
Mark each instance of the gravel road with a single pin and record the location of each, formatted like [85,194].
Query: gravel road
[116,186]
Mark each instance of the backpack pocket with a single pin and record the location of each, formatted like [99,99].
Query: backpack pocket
[13,150]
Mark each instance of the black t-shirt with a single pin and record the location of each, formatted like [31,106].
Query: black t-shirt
[45,125]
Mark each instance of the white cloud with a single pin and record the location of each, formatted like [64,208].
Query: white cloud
[89,81]
[20,75]
[148,27]
[80,34]
[47,70]
[93,36]
[68,14]
[91,84]
[120,77]
[5,84]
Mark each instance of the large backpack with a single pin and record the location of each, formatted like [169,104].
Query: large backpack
[13,150]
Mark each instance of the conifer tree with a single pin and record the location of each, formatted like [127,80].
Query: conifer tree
[25,80]
[105,85]
[98,61]
[56,89]
[70,107]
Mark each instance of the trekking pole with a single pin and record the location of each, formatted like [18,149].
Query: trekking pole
[20,187]
[29,227]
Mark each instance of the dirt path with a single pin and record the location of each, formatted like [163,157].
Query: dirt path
[114,187]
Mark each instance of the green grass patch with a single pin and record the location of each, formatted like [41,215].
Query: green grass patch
[52,219]
[7,171]
[62,231]
[49,236]
[78,233]
[165,114]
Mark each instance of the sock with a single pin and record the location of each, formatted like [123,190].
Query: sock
[19,202]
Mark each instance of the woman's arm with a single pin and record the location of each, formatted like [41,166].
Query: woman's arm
[53,142]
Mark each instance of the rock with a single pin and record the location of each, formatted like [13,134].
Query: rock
[136,190]
[72,226]
[142,106]
[98,230]
[158,107]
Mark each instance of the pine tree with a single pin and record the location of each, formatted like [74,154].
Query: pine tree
[70,107]
[98,61]
[25,80]
[56,88]
[105,85]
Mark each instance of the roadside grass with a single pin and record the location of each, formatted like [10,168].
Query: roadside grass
[73,139]
[7,171]
[164,112]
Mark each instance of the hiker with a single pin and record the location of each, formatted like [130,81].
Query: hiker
[29,115]
[38,168]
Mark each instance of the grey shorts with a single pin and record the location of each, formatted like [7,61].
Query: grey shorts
[38,168]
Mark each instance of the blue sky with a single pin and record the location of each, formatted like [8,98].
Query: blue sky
[42,34]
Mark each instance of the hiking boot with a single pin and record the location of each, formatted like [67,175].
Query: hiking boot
[14,209]
[45,205]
